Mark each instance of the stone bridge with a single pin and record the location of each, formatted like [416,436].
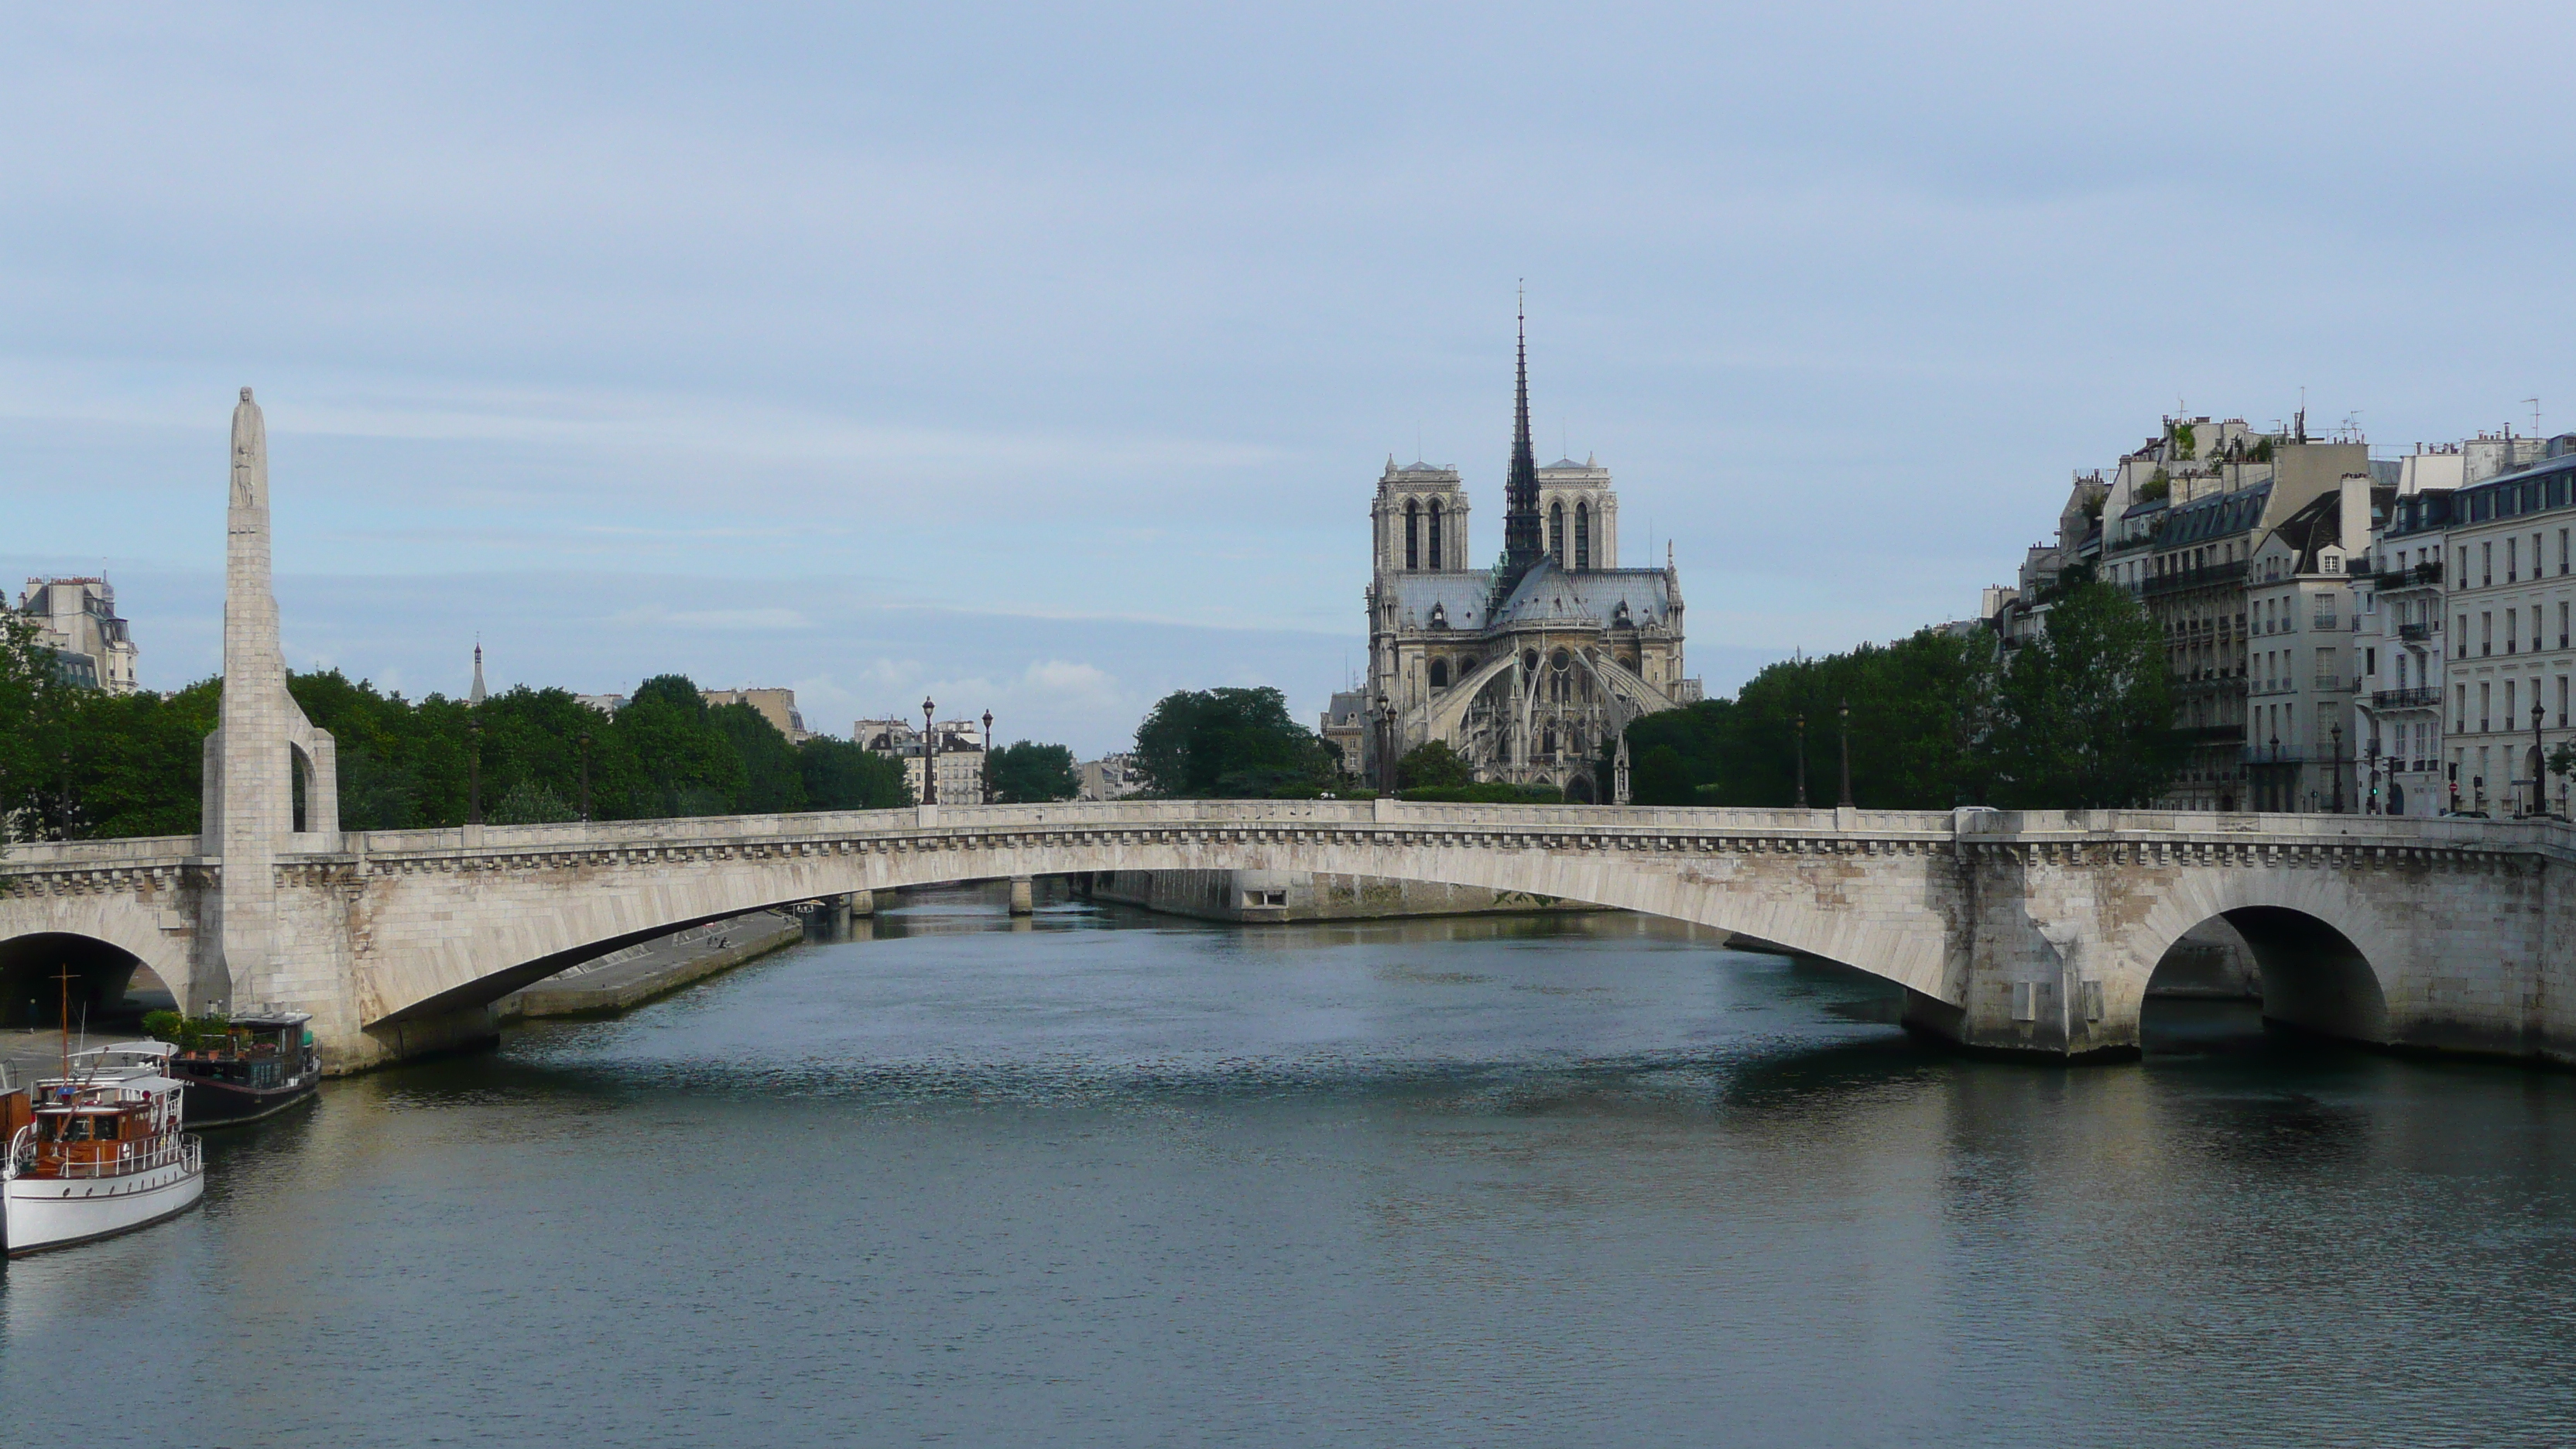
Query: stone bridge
[2034,934]
[2026,933]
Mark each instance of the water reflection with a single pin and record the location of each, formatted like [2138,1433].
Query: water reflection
[1116,1178]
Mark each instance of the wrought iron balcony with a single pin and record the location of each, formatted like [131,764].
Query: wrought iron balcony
[2406,699]
[2211,576]
[2414,633]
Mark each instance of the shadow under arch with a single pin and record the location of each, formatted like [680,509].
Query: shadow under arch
[2309,975]
[102,972]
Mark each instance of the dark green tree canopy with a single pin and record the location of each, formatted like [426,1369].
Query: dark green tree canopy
[1028,774]
[1431,766]
[1231,744]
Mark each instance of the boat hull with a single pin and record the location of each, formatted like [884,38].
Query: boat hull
[41,1213]
[224,1104]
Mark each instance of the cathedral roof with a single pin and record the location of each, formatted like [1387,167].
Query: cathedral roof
[1548,593]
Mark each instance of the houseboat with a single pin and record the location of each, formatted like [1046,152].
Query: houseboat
[103,1153]
[263,1063]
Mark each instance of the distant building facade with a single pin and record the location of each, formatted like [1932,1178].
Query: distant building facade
[959,751]
[1111,777]
[778,706]
[77,619]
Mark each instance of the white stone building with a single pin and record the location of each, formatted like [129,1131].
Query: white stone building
[958,748]
[1529,668]
[2306,656]
[1111,777]
[2398,713]
[77,619]
[2512,583]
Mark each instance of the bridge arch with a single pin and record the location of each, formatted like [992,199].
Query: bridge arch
[2319,945]
[103,972]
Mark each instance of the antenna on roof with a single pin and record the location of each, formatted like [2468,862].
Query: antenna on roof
[2535,432]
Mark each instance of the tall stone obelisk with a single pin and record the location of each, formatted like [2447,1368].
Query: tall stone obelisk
[264,743]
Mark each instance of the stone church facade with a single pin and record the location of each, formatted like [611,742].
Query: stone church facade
[1525,668]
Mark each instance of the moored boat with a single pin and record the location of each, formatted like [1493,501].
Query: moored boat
[103,1153]
[259,1063]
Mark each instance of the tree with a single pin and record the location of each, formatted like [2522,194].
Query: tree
[2080,716]
[840,775]
[773,781]
[1026,774]
[1431,766]
[1230,744]
[684,764]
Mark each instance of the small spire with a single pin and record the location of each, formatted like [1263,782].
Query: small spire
[475,697]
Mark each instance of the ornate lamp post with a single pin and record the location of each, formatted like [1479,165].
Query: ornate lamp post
[1802,762]
[988,757]
[585,775]
[929,756]
[1845,734]
[1386,746]
[2337,764]
[2539,765]
[2393,805]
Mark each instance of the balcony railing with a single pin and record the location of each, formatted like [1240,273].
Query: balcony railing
[2420,575]
[2406,699]
[2274,755]
[2210,576]
[2414,633]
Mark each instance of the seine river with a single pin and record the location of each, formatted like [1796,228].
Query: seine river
[1113,1179]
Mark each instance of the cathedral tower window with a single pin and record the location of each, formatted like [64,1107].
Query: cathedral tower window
[1439,560]
[1582,535]
[1412,535]
[1556,533]
[1439,673]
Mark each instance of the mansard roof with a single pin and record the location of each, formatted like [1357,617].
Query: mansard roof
[2220,515]
[1459,597]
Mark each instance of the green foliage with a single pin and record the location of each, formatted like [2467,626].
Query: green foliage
[1432,766]
[2262,452]
[187,1033]
[2186,442]
[1489,792]
[529,803]
[1231,744]
[2159,484]
[839,775]
[685,764]
[773,780]
[1911,706]
[1027,774]
[2081,717]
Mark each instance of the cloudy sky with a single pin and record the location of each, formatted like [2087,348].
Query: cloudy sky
[1044,359]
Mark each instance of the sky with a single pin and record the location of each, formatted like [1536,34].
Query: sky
[1044,359]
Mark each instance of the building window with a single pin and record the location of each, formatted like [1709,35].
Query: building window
[2464,636]
[1583,536]
[2486,699]
[1439,674]
[2512,556]
[1412,535]
[2562,623]
[1439,560]
[2486,634]
[1556,533]
[2512,630]
[2460,717]
[2486,565]
[2562,701]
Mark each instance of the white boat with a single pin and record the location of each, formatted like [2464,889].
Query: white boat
[101,1152]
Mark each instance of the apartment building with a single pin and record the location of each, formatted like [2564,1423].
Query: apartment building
[2306,656]
[2512,582]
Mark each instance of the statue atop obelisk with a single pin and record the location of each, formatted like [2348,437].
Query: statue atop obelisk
[264,747]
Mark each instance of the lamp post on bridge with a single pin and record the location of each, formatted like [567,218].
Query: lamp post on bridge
[585,776]
[988,757]
[1845,734]
[1802,762]
[929,755]
[2337,765]
[2539,765]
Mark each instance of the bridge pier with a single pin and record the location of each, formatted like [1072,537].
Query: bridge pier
[1023,896]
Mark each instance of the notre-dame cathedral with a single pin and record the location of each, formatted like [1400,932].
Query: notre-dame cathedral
[1524,668]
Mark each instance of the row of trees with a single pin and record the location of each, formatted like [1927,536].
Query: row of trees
[78,763]
[2077,718]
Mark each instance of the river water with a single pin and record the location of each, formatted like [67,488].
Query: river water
[1107,1178]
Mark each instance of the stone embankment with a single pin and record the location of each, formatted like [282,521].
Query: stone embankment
[625,979]
[1271,896]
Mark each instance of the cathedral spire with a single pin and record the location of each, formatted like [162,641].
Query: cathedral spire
[1523,543]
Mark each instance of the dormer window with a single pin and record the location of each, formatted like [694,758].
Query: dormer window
[1439,616]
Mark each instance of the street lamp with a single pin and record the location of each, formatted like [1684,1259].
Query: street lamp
[1386,746]
[585,775]
[1845,733]
[2539,805]
[1802,762]
[988,757]
[2337,764]
[929,756]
